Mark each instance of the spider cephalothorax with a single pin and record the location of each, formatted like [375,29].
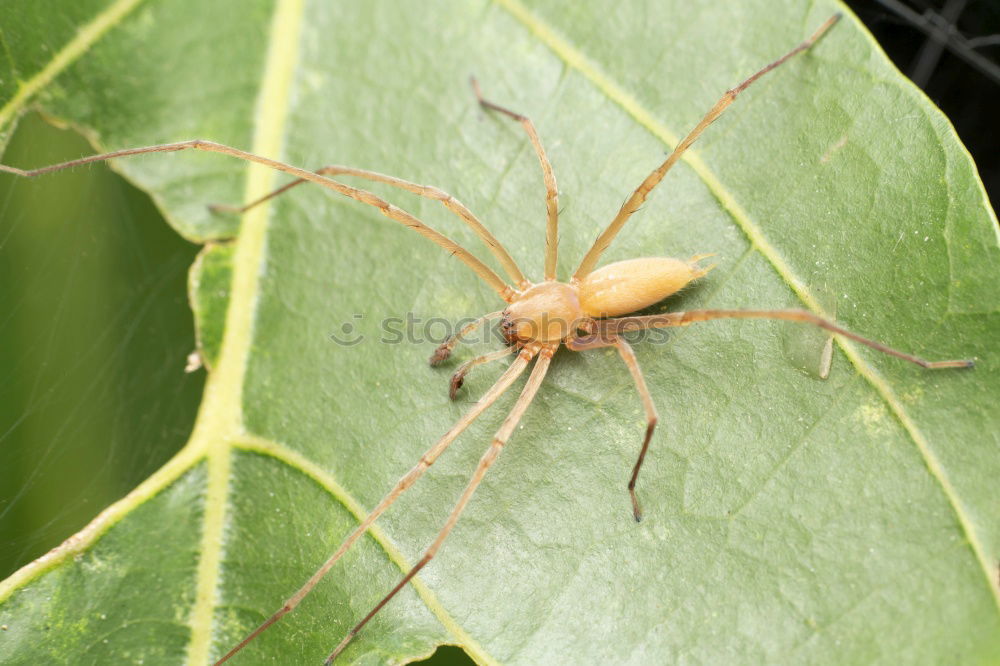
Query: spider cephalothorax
[546,312]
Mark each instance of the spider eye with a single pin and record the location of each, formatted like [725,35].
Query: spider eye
[507,329]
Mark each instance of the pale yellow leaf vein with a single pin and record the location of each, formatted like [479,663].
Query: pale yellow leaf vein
[105,520]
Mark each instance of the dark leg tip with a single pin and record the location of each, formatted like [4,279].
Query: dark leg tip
[636,510]
[456,383]
[440,355]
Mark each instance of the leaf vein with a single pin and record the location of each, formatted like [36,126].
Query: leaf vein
[67,55]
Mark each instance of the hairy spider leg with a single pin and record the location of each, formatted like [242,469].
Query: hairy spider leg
[634,202]
[623,324]
[426,191]
[364,196]
[632,363]
[551,192]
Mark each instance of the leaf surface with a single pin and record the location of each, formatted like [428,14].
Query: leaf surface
[788,518]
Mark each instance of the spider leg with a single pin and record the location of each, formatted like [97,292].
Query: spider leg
[551,192]
[628,356]
[365,197]
[491,396]
[458,378]
[426,191]
[499,440]
[611,326]
[634,202]
[443,352]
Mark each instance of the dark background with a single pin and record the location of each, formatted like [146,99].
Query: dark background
[85,382]
[967,92]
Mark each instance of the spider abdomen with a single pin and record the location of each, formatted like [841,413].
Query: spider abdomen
[634,284]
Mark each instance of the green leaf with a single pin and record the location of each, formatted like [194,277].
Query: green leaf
[211,277]
[788,519]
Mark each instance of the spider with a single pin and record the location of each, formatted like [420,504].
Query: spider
[582,314]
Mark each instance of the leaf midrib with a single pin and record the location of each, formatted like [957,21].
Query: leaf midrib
[575,58]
